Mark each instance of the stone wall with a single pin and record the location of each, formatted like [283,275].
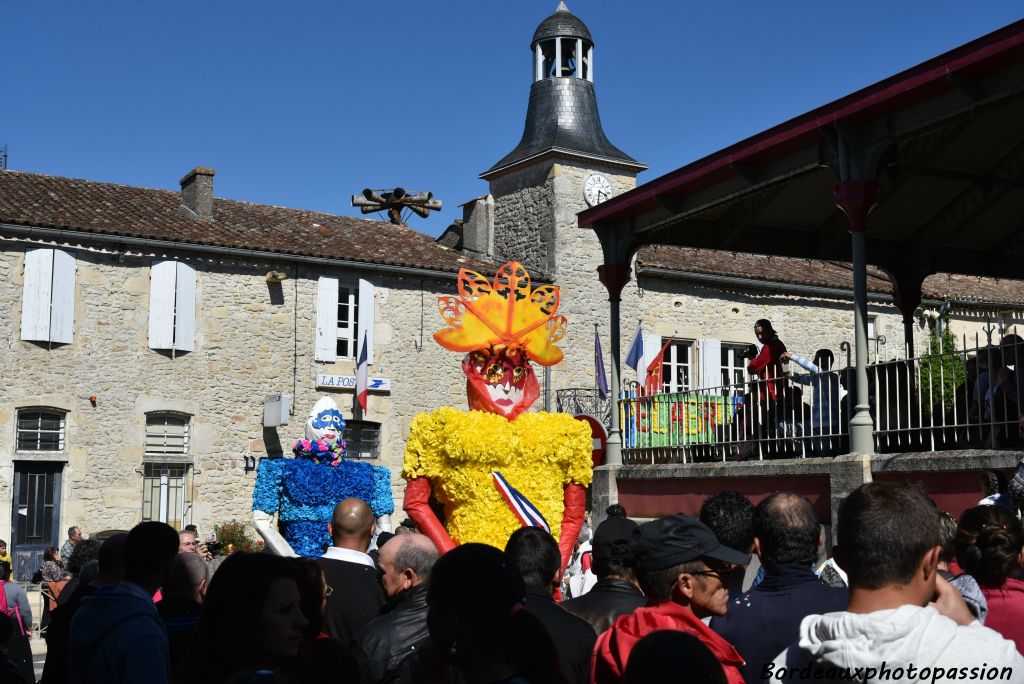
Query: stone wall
[523,217]
[253,338]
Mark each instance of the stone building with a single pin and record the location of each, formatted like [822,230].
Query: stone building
[146,328]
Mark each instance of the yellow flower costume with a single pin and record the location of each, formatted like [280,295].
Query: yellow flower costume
[457,457]
[539,453]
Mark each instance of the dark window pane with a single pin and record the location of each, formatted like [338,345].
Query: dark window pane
[28,420]
[50,422]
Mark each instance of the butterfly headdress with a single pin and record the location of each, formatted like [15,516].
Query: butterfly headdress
[504,313]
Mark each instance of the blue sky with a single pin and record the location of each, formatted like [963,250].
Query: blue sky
[302,104]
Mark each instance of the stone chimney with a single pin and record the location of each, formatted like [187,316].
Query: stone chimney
[478,226]
[197,194]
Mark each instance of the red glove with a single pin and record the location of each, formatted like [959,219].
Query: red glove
[572,520]
[417,505]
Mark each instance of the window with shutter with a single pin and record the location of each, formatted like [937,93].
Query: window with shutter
[40,430]
[710,353]
[345,316]
[48,303]
[172,306]
[167,436]
[364,318]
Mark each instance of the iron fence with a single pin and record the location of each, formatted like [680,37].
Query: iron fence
[942,397]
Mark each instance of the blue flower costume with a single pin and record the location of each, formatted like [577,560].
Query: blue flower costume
[304,490]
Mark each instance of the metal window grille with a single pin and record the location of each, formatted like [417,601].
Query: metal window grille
[677,369]
[734,366]
[362,438]
[40,430]
[348,321]
[167,434]
[164,493]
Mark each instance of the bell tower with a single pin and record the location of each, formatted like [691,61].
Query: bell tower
[564,161]
[563,164]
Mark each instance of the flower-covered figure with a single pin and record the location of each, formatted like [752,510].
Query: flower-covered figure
[302,491]
[496,468]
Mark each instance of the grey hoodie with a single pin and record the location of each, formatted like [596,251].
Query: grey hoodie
[909,643]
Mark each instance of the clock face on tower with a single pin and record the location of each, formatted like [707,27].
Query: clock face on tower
[596,189]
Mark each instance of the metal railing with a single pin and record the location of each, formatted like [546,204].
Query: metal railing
[580,400]
[942,397]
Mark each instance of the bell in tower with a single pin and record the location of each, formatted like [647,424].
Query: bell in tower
[562,117]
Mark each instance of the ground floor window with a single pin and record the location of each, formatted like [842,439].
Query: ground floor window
[40,430]
[165,493]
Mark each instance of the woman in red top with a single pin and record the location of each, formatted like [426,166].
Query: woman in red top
[988,544]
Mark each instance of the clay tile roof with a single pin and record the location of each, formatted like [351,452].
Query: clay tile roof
[820,273]
[30,199]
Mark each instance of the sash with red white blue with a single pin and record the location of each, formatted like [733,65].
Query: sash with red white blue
[525,511]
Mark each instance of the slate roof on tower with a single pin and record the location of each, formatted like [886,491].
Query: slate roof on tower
[562,117]
[562,23]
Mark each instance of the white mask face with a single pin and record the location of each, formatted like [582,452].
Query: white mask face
[325,422]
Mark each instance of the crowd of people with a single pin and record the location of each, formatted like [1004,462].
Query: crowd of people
[672,599]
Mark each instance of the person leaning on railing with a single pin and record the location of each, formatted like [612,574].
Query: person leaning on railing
[826,393]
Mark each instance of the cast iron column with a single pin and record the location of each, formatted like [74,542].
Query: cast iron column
[857,199]
[614,277]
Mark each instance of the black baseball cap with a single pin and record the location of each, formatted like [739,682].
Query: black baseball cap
[665,542]
[612,537]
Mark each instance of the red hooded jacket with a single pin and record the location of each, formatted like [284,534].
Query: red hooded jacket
[608,665]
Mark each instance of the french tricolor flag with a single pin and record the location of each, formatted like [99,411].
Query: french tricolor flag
[362,376]
[527,513]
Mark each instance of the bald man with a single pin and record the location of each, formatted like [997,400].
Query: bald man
[384,647]
[354,596]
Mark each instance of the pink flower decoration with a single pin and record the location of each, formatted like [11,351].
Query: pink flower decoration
[321,444]
[305,444]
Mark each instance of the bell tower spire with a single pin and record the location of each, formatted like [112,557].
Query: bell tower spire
[562,117]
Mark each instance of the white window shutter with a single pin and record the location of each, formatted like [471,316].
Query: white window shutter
[35,307]
[185,308]
[62,298]
[652,345]
[710,363]
[327,320]
[366,299]
[163,277]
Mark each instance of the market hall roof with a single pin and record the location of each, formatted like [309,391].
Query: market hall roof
[107,209]
[943,140]
[753,271]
